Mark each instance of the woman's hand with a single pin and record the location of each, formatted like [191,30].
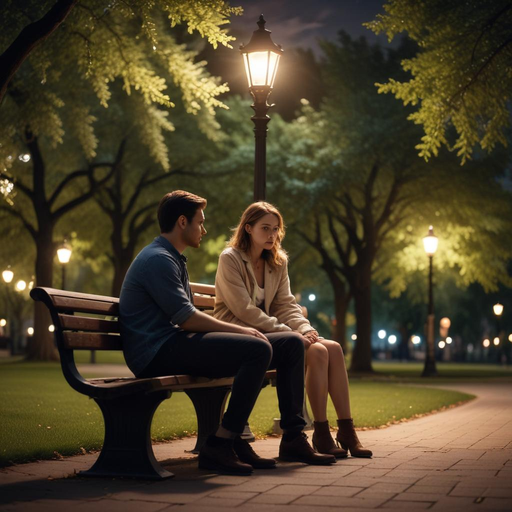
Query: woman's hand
[312,336]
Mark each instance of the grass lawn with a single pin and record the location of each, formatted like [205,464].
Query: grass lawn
[43,417]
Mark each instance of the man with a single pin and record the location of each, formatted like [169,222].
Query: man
[163,334]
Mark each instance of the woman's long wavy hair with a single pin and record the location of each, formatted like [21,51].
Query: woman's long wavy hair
[241,239]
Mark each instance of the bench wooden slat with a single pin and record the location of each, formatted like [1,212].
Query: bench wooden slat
[91,341]
[84,323]
[85,306]
[204,302]
[204,289]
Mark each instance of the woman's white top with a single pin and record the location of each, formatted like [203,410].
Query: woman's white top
[260,295]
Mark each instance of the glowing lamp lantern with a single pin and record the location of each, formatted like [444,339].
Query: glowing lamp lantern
[64,253]
[498,309]
[21,285]
[430,242]
[8,275]
[261,58]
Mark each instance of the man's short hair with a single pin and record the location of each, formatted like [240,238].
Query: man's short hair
[175,204]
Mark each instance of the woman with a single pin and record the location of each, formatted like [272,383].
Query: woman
[253,289]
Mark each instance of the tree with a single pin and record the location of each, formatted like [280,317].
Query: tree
[50,103]
[95,25]
[362,187]
[461,75]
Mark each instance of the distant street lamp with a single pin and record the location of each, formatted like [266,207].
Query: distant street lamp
[64,255]
[261,58]
[430,243]
[498,309]
[8,275]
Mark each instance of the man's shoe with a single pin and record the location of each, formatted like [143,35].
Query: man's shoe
[246,454]
[218,454]
[299,450]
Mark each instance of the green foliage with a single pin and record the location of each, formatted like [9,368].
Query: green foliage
[102,44]
[461,75]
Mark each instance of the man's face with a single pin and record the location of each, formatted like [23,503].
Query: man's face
[194,230]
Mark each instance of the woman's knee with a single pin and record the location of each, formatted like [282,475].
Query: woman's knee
[334,349]
[317,354]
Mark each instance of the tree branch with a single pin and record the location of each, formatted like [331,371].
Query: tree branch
[31,36]
[19,215]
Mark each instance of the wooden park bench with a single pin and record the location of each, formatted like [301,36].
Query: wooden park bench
[90,322]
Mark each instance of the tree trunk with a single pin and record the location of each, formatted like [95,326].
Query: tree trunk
[362,356]
[341,302]
[42,347]
[121,265]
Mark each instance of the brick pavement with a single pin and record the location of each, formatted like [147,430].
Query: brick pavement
[460,459]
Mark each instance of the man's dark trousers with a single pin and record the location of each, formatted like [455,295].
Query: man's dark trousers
[247,358]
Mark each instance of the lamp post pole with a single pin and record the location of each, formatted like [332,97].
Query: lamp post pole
[261,58]
[430,244]
[260,120]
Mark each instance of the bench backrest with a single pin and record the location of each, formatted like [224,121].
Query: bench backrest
[90,322]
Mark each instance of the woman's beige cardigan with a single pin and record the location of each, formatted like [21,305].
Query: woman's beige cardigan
[235,296]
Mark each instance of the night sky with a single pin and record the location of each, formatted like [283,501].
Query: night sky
[301,22]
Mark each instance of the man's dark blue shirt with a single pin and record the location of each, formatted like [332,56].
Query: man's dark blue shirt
[155,299]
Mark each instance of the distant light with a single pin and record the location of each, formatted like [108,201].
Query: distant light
[470,348]
[30,331]
[25,157]
[354,337]
[51,328]
[442,344]
[312,297]
[392,339]
[381,334]
[416,340]
[486,343]
[64,253]
[154,48]
[496,341]
[448,340]
[3,322]
[498,309]
[510,338]
[445,322]
[31,285]
[7,275]
[430,242]
[21,285]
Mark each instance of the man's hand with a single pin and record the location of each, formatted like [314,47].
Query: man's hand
[249,331]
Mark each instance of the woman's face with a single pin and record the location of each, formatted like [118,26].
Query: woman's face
[264,233]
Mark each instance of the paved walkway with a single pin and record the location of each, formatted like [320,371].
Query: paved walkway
[460,459]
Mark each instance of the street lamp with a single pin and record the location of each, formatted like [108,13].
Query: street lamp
[498,309]
[8,275]
[261,58]
[430,244]
[64,255]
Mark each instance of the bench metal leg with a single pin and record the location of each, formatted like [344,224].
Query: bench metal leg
[209,404]
[127,450]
